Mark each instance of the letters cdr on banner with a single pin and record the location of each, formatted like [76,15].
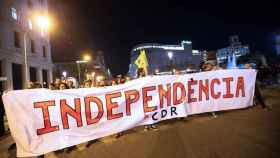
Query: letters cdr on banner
[51,120]
[167,94]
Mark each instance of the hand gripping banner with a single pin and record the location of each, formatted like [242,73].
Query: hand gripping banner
[43,120]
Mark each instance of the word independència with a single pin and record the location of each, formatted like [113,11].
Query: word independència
[171,94]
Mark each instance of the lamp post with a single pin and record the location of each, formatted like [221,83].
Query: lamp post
[43,23]
[86,58]
[170,56]
[64,74]
[25,60]
[79,62]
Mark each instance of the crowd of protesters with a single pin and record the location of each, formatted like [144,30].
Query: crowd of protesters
[101,81]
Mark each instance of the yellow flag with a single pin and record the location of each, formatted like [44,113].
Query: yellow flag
[142,61]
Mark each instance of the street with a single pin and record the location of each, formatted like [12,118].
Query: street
[244,133]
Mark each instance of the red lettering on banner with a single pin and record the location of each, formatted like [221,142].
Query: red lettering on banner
[212,88]
[111,105]
[131,96]
[203,89]
[147,98]
[240,86]
[181,86]
[227,81]
[191,91]
[164,94]
[68,110]
[48,128]
[99,105]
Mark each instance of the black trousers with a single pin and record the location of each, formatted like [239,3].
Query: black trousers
[259,96]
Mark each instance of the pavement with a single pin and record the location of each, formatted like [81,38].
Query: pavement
[245,133]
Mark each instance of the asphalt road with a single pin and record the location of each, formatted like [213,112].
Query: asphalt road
[243,133]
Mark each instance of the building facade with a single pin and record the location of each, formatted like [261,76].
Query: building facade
[20,32]
[208,56]
[235,48]
[88,69]
[165,58]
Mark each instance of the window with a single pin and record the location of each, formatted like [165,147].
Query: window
[45,76]
[44,51]
[32,42]
[30,4]
[33,74]
[41,3]
[14,13]
[16,39]
[17,76]
[29,24]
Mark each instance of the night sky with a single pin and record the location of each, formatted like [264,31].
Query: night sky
[116,26]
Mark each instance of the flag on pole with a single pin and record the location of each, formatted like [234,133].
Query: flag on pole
[141,61]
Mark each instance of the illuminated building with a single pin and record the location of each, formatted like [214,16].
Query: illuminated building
[165,58]
[17,24]
[235,48]
[87,68]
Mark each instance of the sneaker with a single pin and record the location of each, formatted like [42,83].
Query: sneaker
[91,142]
[82,146]
[50,155]
[214,115]
[118,135]
[154,127]
[146,128]
[70,149]
[267,108]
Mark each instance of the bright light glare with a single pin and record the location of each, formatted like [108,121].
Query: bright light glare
[43,22]
[87,57]
[64,73]
[93,74]
[170,55]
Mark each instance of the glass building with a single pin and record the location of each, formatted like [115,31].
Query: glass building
[234,48]
[165,58]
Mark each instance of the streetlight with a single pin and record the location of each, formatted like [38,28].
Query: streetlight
[170,56]
[86,58]
[43,24]
[64,74]
[156,71]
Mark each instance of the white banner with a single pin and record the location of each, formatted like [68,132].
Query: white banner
[43,120]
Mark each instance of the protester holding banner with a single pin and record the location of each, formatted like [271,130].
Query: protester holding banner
[70,117]
[258,95]
[141,73]
[63,86]
[210,66]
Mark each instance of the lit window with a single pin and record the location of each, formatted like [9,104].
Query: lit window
[30,24]
[14,13]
